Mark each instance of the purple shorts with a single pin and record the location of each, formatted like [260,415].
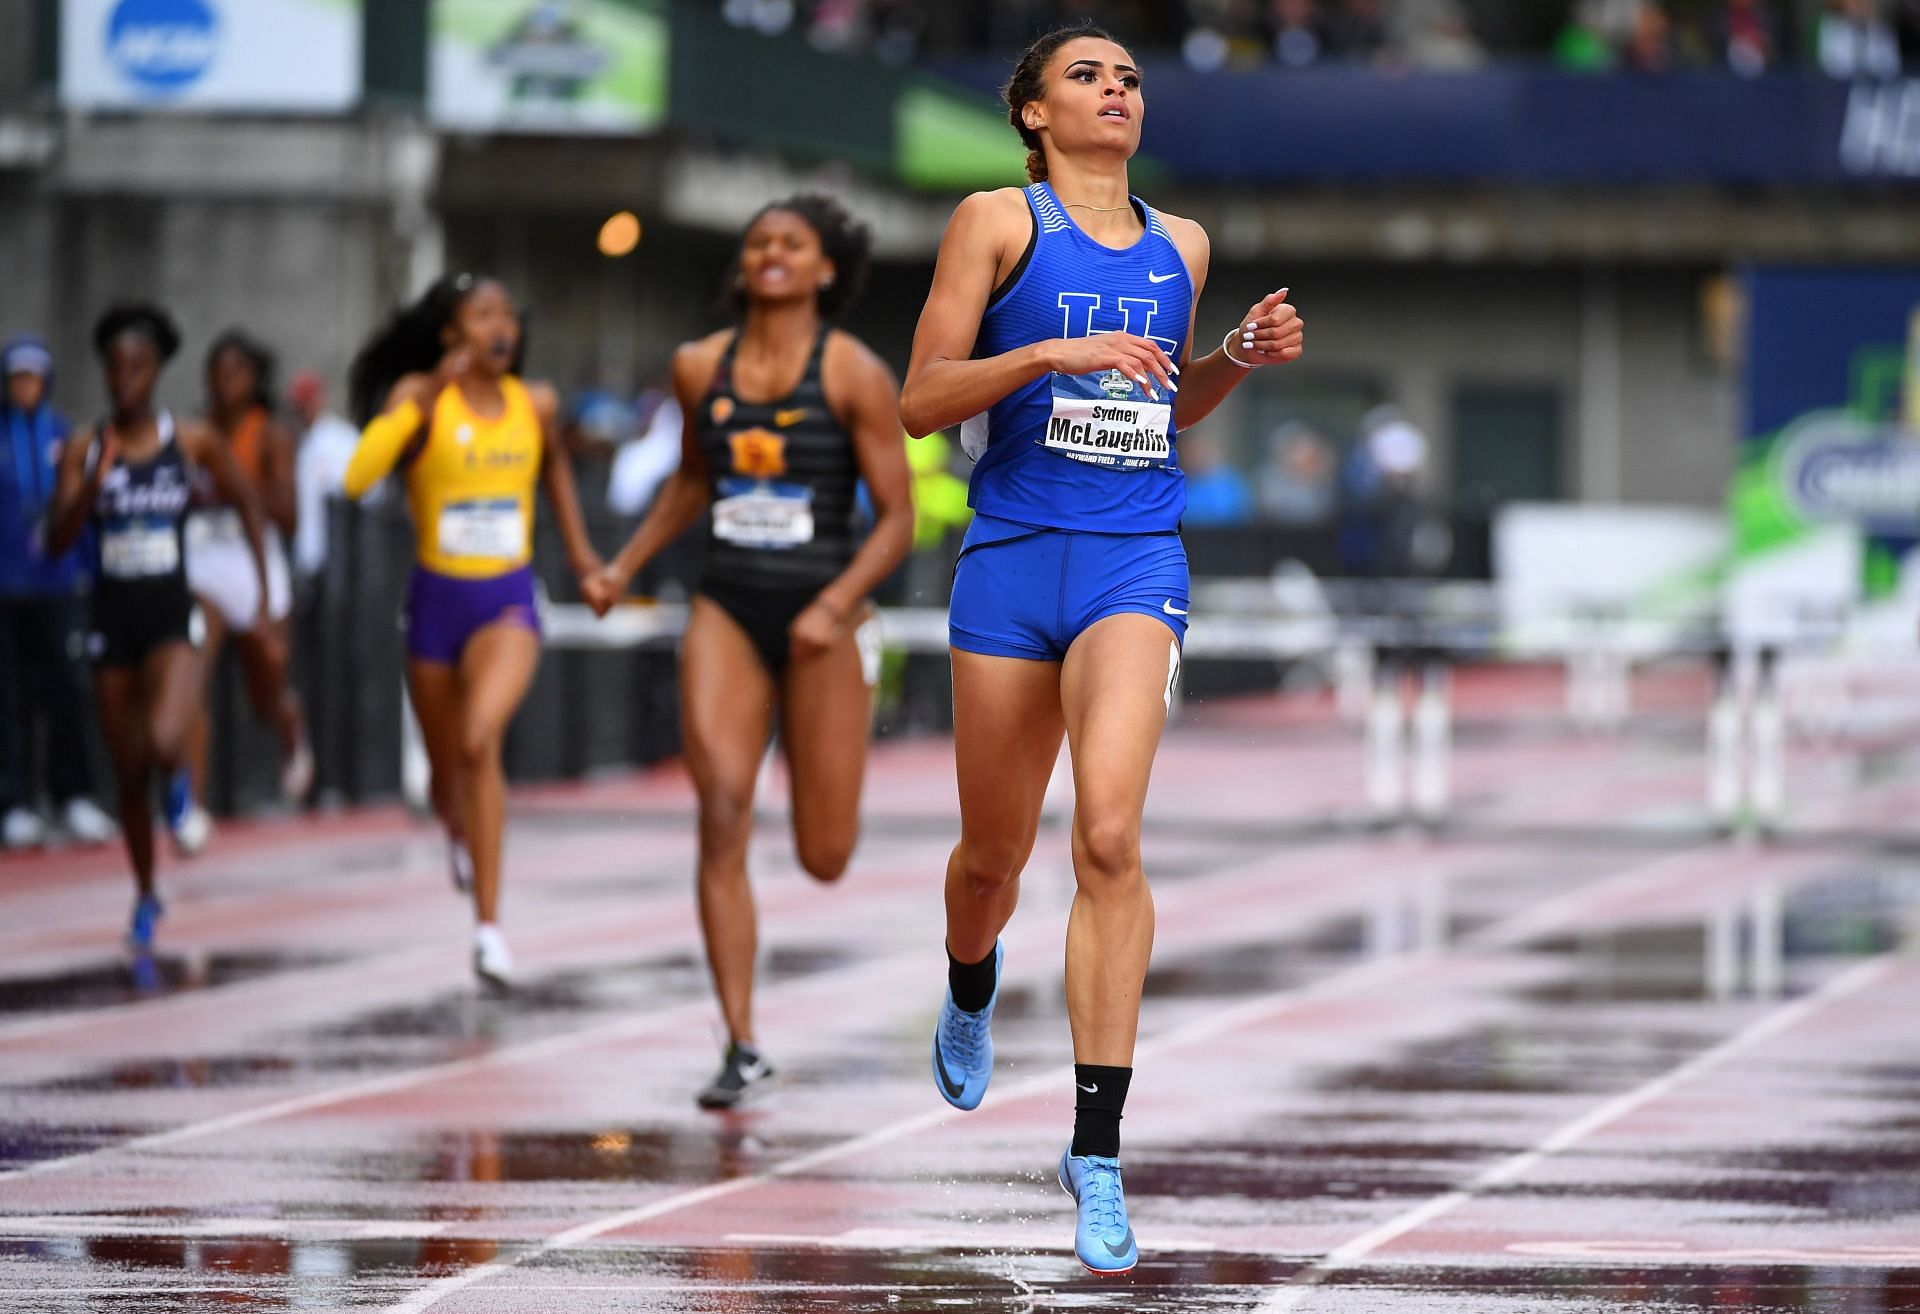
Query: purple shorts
[444,611]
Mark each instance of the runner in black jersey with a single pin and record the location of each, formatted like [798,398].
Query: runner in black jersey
[784,416]
[131,477]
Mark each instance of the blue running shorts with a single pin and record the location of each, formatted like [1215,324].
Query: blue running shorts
[1025,592]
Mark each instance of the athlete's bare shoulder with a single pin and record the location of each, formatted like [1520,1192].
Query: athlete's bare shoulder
[694,363]
[544,397]
[1000,208]
[847,351]
[849,367]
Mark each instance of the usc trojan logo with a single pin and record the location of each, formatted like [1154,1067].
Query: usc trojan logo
[759,453]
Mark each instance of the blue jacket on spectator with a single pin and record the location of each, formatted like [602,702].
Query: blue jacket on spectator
[30,443]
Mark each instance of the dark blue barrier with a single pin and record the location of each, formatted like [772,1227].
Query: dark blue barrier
[1516,124]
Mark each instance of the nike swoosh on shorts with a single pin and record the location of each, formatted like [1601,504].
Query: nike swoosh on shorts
[1170,609]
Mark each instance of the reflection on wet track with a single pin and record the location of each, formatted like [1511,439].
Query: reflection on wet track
[1347,1034]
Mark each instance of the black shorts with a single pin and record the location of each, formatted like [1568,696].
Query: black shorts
[130,622]
[763,613]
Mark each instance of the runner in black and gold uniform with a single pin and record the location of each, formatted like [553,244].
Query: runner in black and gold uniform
[785,415]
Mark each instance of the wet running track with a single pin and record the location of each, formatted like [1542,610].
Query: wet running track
[1573,1053]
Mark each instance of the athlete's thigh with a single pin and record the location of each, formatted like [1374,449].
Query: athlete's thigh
[1006,738]
[120,694]
[1114,687]
[726,702]
[496,670]
[435,691]
[213,632]
[825,714]
[263,659]
[171,675]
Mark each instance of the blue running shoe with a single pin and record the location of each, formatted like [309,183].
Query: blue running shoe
[963,1046]
[140,931]
[1104,1239]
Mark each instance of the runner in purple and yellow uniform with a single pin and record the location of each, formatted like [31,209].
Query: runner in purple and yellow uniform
[474,439]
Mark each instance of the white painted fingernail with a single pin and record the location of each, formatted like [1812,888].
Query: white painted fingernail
[1174,368]
[1253,326]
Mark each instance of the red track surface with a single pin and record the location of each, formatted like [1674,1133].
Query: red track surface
[1494,1068]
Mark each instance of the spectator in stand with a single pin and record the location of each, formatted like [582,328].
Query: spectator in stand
[1298,37]
[1855,41]
[1746,37]
[646,461]
[39,616]
[1217,493]
[1582,45]
[1296,480]
[1439,37]
[1224,32]
[1650,42]
[326,443]
[1357,31]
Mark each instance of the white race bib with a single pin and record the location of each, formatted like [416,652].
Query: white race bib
[776,516]
[1110,427]
[483,529]
[139,551]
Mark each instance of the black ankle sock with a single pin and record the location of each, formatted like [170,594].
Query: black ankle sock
[972,983]
[1097,1103]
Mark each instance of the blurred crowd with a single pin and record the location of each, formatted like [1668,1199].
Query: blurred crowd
[1843,38]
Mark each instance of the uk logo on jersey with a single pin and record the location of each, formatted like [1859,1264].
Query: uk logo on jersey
[1084,314]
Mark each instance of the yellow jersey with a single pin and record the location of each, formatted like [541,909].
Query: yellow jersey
[471,486]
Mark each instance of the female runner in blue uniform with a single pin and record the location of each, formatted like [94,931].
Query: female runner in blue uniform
[1058,330]
[131,478]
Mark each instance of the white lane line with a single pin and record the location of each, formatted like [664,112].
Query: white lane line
[614,1030]
[881,970]
[1262,1008]
[37,1297]
[1640,1253]
[1352,1253]
[90,1226]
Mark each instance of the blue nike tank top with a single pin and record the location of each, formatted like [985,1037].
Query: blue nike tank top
[1091,452]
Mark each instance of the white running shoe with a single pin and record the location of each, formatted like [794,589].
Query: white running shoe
[87,823]
[23,829]
[460,865]
[492,960]
[194,830]
[296,777]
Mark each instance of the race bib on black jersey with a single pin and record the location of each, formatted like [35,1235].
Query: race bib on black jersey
[1106,419]
[762,514]
[138,549]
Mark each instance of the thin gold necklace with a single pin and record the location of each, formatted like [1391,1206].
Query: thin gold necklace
[1099,209]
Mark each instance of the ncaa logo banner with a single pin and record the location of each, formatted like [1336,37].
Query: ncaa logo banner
[238,55]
